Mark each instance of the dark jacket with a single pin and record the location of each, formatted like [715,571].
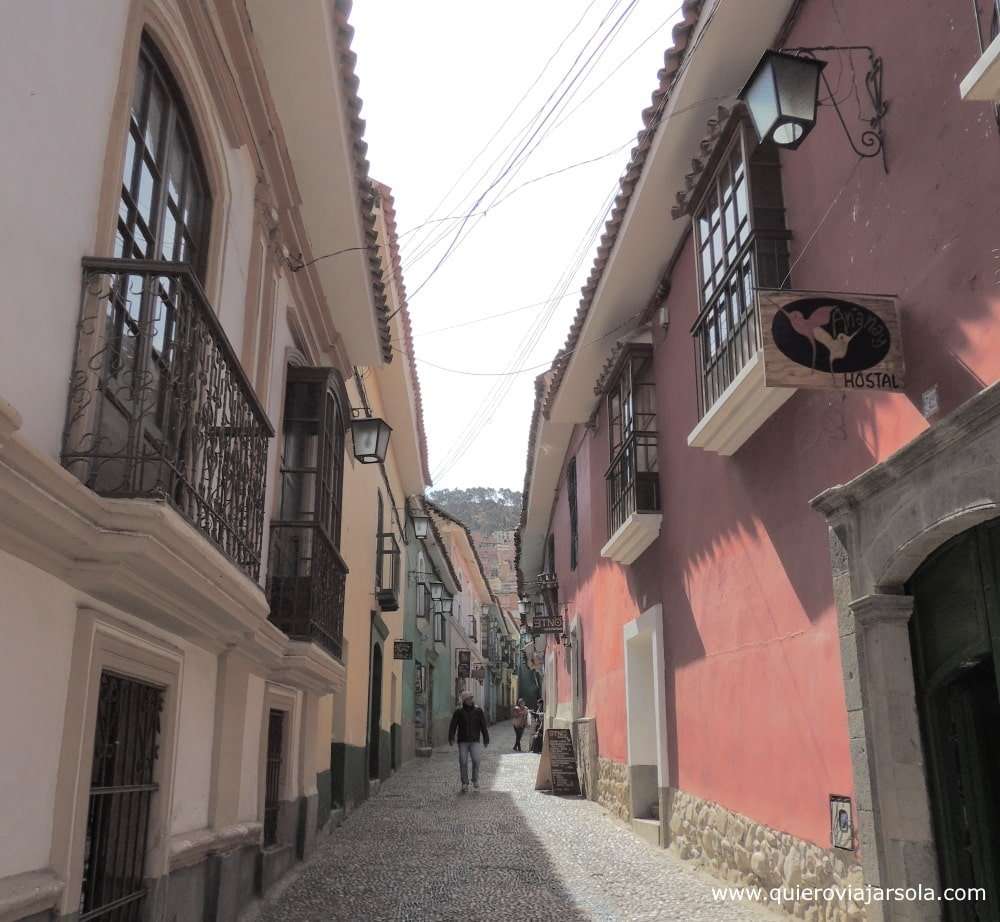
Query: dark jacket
[469,723]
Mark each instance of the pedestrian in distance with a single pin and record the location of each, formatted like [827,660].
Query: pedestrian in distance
[519,721]
[538,737]
[469,724]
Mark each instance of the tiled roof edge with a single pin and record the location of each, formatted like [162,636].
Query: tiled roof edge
[356,124]
[672,62]
[389,212]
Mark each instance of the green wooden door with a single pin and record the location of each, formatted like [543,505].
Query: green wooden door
[955,632]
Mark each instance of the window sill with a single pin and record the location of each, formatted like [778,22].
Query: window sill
[982,83]
[636,534]
[741,410]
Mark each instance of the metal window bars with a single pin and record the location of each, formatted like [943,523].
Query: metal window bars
[159,406]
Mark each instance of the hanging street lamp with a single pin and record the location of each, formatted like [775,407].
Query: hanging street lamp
[371,438]
[781,95]
[421,525]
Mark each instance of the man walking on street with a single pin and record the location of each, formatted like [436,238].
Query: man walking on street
[519,722]
[469,722]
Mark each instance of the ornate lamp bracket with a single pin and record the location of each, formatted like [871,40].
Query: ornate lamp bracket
[872,139]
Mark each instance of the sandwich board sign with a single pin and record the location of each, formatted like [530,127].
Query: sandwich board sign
[557,766]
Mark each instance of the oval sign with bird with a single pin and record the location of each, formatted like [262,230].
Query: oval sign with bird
[830,335]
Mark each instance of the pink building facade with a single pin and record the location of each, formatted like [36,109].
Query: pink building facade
[779,630]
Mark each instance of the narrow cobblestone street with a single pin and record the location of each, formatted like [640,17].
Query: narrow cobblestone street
[420,850]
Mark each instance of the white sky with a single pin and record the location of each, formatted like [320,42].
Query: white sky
[437,80]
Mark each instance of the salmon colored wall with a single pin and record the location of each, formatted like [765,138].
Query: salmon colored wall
[755,701]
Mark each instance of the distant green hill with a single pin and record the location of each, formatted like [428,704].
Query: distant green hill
[483,509]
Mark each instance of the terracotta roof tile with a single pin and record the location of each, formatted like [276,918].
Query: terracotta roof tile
[349,79]
[650,118]
[430,504]
[389,211]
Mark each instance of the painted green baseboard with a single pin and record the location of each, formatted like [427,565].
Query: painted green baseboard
[349,768]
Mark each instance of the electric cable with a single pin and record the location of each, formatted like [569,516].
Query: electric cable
[518,158]
[506,120]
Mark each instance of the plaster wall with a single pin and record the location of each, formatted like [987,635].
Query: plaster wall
[195,732]
[38,614]
[62,131]
[250,780]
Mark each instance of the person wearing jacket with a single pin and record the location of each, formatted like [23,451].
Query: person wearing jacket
[519,722]
[469,724]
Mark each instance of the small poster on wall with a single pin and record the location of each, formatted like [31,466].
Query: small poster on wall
[841,822]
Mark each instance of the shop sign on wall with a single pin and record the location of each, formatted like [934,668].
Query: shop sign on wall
[547,624]
[402,649]
[464,664]
[831,341]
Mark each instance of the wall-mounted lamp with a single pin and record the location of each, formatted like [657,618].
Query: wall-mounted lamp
[371,437]
[782,95]
[421,525]
[446,605]
[522,608]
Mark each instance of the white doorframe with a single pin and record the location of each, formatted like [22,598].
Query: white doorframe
[645,700]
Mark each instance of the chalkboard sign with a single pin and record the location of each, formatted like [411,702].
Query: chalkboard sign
[402,649]
[565,780]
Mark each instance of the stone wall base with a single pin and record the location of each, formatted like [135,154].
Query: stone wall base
[612,790]
[746,853]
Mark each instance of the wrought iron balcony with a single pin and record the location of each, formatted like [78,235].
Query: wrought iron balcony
[160,407]
[306,585]
[633,483]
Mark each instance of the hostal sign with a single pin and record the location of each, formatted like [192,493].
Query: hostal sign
[821,340]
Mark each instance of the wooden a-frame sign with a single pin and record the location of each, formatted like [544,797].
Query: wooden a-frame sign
[557,766]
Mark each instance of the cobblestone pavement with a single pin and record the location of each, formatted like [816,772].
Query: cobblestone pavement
[420,850]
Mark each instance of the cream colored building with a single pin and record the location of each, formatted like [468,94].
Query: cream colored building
[196,299]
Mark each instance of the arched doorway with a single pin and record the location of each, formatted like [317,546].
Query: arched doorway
[955,635]
[375,713]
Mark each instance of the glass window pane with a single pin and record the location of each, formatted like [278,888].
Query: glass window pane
[129,161]
[169,234]
[154,119]
[147,185]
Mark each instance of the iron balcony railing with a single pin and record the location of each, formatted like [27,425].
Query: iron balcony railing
[160,407]
[633,483]
[306,585]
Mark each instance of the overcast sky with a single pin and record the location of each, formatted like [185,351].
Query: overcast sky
[438,79]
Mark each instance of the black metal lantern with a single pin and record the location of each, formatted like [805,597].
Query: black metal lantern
[446,605]
[371,439]
[421,526]
[522,608]
[437,588]
[781,95]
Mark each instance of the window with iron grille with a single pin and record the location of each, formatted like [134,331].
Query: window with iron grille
[571,497]
[122,787]
[632,479]
[307,575]
[742,244]
[272,776]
